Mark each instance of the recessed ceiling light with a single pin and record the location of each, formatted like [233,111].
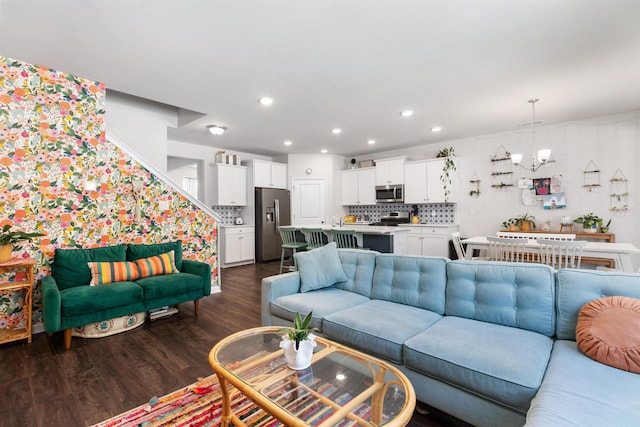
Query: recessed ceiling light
[216,129]
[407,113]
[336,131]
[266,100]
[287,142]
[436,129]
[371,141]
[324,151]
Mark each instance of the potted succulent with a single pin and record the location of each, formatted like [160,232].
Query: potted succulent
[526,222]
[9,241]
[299,342]
[590,222]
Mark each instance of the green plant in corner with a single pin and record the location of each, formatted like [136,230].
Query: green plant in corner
[449,166]
[13,237]
[301,329]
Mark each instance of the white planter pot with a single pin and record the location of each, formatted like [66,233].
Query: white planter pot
[590,229]
[301,358]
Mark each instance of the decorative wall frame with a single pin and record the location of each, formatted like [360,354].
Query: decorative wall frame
[501,169]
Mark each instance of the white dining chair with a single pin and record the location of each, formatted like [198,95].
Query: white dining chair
[459,247]
[510,249]
[561,254]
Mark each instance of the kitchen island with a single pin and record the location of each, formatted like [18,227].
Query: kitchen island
[385,239]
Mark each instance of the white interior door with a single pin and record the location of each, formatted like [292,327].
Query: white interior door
[308,201]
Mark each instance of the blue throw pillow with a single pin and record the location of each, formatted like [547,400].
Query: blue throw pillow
[320,268]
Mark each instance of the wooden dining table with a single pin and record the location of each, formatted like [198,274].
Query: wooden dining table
[620,252]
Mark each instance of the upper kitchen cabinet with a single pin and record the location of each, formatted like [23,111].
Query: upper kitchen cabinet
[390,171]
[230,187]
[269,174]
[358,187]
[422,182]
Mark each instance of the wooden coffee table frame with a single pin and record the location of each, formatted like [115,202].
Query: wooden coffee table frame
[253,390]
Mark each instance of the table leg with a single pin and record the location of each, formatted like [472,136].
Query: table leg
[625,263]
[226,402]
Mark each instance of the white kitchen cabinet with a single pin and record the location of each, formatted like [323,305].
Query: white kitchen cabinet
[430,240]
[390,171]
[359,187]
[230,187]
[238,245]
[423,184]
[269,174]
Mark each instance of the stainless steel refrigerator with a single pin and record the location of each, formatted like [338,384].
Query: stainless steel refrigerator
[273,209]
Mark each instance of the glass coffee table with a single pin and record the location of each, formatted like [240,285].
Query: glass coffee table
[342,386]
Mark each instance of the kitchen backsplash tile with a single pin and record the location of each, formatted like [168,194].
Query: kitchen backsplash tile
[434,213]
[227,213]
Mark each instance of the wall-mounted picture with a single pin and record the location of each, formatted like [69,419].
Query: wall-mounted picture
[554,201]
[556,184]
[542,186]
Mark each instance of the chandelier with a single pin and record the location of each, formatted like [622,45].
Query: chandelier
[539,158]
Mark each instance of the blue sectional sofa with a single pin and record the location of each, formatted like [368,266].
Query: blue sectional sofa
[491,343]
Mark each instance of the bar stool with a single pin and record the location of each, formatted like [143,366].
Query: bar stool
[344,238]
[288,237]
[314,237]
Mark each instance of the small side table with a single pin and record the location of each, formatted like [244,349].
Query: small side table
[25,285]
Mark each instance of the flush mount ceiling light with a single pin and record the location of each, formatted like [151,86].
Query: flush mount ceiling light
[407,113]
[336,131]
[217,129]
[540,158]
[265,100]
[324,151]
[436,129]
[371,141]
[287,143]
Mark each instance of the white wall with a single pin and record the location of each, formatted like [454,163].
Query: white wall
[612,142]
[141,124]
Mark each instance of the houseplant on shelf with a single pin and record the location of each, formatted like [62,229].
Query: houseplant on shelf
[9,241]
[590,222]
[299,342]
[510,224]
[526,222]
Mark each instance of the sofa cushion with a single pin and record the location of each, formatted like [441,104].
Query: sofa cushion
[359,266]
[411,280]
[170,284]
[578,391]
[156,265]
[70,265]
[608,331]
[80,300]
[378,327]
[322,302]
[138,251]
[103,273]
[501,363]
[511,294]
[578,287]
[319,268]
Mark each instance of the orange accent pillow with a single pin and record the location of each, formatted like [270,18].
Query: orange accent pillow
[156,265]
[103,273]
[608,331]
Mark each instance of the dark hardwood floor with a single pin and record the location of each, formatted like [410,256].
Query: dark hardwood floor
[41,384]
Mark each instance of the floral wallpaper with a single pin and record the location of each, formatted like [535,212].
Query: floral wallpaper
[52,141]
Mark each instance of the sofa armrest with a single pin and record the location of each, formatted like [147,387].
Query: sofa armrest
[201,269]
[274,287]
[51,313]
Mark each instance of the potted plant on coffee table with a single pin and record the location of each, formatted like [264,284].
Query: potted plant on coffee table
[9,241]
[299,342]
[590,222]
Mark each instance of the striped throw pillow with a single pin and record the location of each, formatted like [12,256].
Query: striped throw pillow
[103,273]
[156,265]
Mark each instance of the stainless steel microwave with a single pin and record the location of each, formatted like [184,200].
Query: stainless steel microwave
[390,193]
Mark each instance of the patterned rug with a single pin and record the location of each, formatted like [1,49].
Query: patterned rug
[200,404]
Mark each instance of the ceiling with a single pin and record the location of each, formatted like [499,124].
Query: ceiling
[468,66]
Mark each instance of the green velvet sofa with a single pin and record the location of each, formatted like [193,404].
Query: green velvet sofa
[70,301]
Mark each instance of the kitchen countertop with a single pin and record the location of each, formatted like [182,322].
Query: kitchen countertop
[236,226]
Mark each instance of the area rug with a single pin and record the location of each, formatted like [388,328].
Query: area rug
[200,405]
